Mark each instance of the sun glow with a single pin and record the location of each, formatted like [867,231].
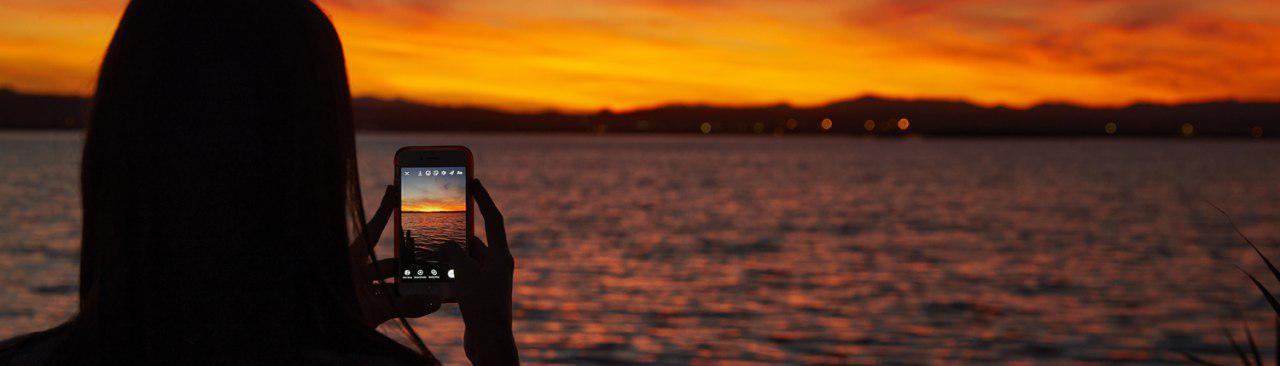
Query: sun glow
[426,208]
[540,54]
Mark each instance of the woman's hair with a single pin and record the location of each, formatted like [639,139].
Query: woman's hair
[219,192]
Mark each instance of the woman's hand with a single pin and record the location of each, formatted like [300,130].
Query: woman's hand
[378,299]
[485,276]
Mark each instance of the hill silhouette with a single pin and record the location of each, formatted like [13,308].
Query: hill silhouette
[927,117]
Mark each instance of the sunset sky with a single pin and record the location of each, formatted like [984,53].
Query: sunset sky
[441,192]
[622,54]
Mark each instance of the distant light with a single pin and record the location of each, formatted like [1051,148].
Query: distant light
[1256,132]
[706,127]
[869,125]
[826,124]
[791,123]
[758,127]
[1111,128]
[1188,130]
[903,124]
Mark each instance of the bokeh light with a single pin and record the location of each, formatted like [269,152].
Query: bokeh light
[903,124]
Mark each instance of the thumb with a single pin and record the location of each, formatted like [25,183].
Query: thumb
[467,267]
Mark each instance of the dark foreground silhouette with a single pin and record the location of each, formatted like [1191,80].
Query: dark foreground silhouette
[232,120]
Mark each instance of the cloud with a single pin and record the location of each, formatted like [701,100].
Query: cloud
[1172,49]
[432,193]
[620,54]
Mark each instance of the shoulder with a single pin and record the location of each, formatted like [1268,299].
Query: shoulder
[30,349]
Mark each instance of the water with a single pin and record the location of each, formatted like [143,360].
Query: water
[431,230]
[803,250]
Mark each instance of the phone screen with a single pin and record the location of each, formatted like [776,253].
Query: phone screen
[433,213]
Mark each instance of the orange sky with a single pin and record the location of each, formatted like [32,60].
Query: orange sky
[422,207]
[433,189]
[620,54]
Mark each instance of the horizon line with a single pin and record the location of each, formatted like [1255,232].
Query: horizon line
[787,104]
[781,103]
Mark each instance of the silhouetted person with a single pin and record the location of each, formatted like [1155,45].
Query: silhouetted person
[220,192]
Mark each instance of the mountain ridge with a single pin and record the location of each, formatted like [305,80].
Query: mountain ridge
[848,116]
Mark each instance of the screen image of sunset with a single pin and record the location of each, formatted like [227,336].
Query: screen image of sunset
[433,205]
[433,189]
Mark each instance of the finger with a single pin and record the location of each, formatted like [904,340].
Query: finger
[373,229]
[494,228]
[380,217]
[466,265]
[477,249]
[415,306]
[387,268]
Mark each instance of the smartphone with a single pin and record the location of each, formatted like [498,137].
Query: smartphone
[435,211]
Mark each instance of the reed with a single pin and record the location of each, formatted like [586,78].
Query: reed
[1266,293]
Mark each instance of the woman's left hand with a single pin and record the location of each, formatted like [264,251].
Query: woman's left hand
[379,302]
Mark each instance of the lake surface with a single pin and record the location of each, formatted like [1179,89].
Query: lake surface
[430,231]
[678,249]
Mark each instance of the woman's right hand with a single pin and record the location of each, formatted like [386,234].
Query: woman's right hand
[485,282]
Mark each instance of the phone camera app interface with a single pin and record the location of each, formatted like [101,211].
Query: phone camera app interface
[433,214]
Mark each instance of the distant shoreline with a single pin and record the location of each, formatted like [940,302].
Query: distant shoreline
[433,212]
[866,116]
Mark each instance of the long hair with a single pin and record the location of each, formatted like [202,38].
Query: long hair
[219,189]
